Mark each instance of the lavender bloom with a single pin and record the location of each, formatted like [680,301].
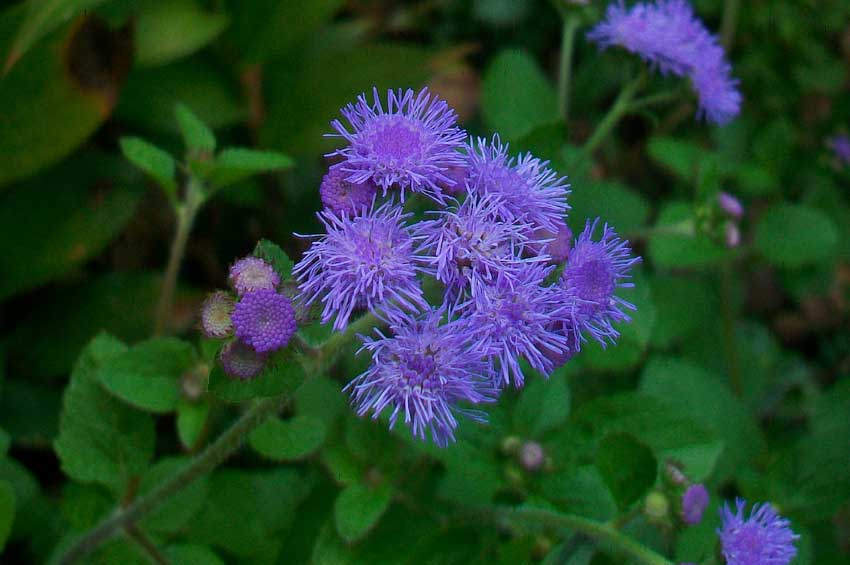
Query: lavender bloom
[339,195]
[215,315]
[840,145]
[532,456]
[731,205]
[458,174]
[241,361]
[556,244]
[530,191]
[694,501]
[423,371]
[594,272]
[669,37]
[369,259]
[411,144]
[252,273]
[265,320]
[516,317]
[731,235]
[765,538]
[471,242]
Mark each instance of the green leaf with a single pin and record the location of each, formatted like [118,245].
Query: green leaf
[181,507]
[60,219]
[235,164]
[516,97]
[42,17]
[684,305]
[7,511]
[790,235]
[274,256]
[167,30]
[196,135]
[283,374]
[543,405]
[192,554]
[191,421]
[681,157]
[625,209]
[148,374]
[581,491]
[358,508]
[288,440]
[627,466]
[100,439]
[153,161]
[673,250]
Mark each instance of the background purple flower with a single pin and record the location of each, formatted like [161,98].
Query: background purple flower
[366,260]
[763,538]
[694,502]
[668,36]
[252,273]
[265,320]
[555,243]
[840,145]
[340,195]
[422,372]
[241,361]
[410,145]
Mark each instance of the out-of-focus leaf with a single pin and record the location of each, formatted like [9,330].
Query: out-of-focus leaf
[581,491]
[274,256]
[147,375]
[283,373]
[153,161]
[29,412]
[790,235]
[179,508]
[100,439]
[683,305]
[288,440]
[60,219]
[167,30]
[672,250]
[472,475]
[358,508]
[543,405]
[7,511]
[192,554]
[191,421]
[196,135]
[627,466]
[681,157]
[58,95]
[516,97]
[621,207]
[235,164]
[83,505]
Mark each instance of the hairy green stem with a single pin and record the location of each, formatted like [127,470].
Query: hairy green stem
[571,25]
[620,107]
[603,533]
[186,213]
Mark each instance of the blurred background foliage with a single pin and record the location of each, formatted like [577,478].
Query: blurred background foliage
[737,363]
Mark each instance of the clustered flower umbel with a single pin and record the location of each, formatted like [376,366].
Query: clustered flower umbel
[514,289]
[668,36]
[259,319]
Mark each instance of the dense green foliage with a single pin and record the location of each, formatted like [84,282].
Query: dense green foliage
[124,120]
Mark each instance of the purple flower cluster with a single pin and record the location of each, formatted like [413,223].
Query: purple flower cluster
[259,319]
[667,35]
[512,288]
[763,538]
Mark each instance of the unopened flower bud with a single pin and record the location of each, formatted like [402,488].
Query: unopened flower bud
[732,235]
[241,361]
[731,205]
[656,506]
[531,456]
[215,315]
[510,445]
[252,273]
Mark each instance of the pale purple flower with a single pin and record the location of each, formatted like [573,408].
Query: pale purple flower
[215,315]
[554,243]
[369,260]
[730,205]
[264,319]
[840,145]
[530,191]
[340,195]
[594,272]
[470,241]
[241,361]
[532,456]
[458,175]
[764,538]
[252,273]
[694,502]
[411,144]
[517,316]
[667,35]
[422,372]
[731,235]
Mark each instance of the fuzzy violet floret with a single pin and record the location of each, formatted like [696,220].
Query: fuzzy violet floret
[409,145]
[264,320]
[366,260]
[422,372]
[694,501]
[668,36]
[241,361]
[763,538]
[340,195]
[252,273]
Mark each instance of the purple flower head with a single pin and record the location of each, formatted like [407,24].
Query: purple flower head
[471,241]
[241,361]
[668,36]
[252,273]
[556,244]
[340,195]
[516,316]
[422,372]
[530,192]
[694,501]
[731,205]
[840,145]
[458,175]
[365,260]
[265,320]
[594,272]
[215,315]
[765,538]
[410,145]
